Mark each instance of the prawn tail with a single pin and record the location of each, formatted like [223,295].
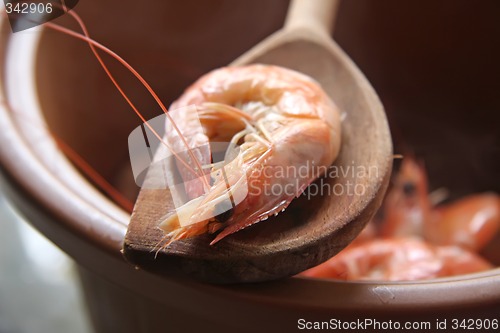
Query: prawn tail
[265,212]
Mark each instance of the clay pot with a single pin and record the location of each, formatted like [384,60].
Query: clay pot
[49,80]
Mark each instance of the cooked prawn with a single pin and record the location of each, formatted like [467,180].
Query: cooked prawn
[406,205]
[399,259]
[418,239]
[280,118]
[470,222]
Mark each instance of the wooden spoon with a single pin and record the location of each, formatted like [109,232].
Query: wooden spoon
[311,230]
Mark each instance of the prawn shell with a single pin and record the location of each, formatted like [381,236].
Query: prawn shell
[399,259]
[311,229]
[299,128]
[471,222]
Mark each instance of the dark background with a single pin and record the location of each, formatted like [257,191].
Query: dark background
[436,68]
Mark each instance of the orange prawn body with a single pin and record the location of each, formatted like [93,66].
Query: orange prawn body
[417,240]
[399,259]
[470,222]
[280,119]
[406,205]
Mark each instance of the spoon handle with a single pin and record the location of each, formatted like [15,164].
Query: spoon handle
[317,15]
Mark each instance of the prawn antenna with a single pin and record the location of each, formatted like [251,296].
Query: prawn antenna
[94,45]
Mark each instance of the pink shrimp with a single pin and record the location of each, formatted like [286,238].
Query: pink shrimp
[399,259]
[470,222]
[406,205]
[283,120]
[419,241]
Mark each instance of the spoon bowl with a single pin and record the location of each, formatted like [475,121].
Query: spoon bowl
[315,226]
